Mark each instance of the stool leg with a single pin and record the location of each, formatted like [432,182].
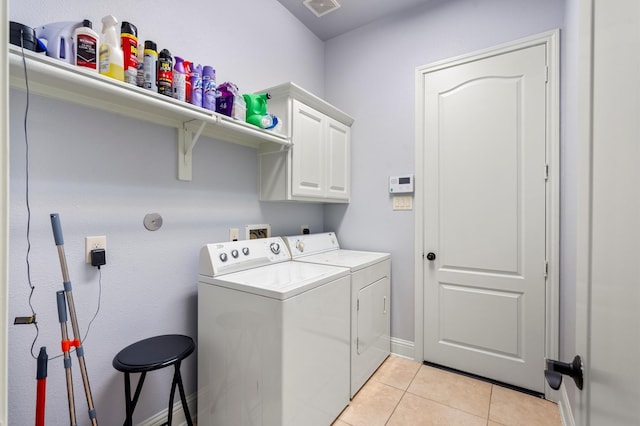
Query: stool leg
[127,396]
[173,390]
[131,403]
[185,407]
[177,380]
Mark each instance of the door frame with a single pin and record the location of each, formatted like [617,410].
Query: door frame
[552,328]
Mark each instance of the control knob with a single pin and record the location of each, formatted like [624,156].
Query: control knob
[234,253]
[275,248]
[245,251]
[223,257]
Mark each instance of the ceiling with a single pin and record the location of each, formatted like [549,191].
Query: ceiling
[350,15]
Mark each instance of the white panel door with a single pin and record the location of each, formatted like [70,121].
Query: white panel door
[608,227]
[338,162]
[308,152]
[484,217]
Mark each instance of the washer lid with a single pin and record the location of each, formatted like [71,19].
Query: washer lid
[279,281]
[351,259]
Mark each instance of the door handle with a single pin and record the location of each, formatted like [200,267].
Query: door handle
[431,256]
[555,370]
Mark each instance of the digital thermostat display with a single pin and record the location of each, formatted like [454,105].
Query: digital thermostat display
[401,184]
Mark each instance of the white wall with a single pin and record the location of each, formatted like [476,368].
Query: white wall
[370,73]
[102,173]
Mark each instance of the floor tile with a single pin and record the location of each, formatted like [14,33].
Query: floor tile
[340,423]
[454,390]
[397,372]
[513,408]
[417,411]
[372,406]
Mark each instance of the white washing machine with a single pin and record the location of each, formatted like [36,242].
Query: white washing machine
[273,337]
[370,296]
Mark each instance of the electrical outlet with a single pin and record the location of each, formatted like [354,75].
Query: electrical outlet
[92,243]
[304,229]
[234,234]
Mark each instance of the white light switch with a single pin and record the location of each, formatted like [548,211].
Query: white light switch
[402,202]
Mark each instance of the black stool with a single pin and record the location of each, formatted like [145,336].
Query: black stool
[152,354]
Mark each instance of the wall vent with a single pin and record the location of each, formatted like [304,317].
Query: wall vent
[321,7]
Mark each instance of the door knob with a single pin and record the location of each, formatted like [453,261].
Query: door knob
[555,370]
[431,256]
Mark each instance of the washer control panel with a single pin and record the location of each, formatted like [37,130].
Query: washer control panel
[223,258]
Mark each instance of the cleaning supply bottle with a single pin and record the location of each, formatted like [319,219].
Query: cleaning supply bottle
[87,46]
[209,90]
[111,59]
[129,44]
[150,66]
[179,80]
[165,73]
[196,85]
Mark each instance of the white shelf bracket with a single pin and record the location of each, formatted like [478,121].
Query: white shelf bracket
[186,141]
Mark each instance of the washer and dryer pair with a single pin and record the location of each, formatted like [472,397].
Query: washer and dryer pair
[275,336]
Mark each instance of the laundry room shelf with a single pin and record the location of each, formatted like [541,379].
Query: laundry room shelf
[56,79]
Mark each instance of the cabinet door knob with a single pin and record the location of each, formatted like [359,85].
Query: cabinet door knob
[431,256]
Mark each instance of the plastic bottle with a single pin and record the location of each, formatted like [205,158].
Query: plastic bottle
[179,80]
[165,73]
[111,59]
[129,44]
[196,85]
[209,91]
[87,46]
[150,65]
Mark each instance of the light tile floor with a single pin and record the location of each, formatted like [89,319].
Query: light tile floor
[406,393]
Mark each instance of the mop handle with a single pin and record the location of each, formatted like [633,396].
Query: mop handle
[62,317]
[57,236]
[57,229]
[41,392]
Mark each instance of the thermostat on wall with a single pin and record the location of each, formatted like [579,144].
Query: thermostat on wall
[402,184]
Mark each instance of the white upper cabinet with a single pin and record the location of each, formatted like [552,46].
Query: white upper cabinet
[317,167]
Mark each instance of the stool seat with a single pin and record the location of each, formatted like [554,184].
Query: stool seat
[152,354]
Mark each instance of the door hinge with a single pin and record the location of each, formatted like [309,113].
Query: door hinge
[546,75]
[546,268]
[546,172]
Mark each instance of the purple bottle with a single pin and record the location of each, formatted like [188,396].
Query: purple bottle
[196,85]
[209,92]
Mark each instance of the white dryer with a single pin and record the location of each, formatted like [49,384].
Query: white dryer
[273,337]
[370,297]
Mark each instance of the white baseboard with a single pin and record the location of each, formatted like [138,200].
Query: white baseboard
[178,415]
[566,414]
[402,348]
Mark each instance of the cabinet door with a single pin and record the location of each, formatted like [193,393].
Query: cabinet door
[338,161]
[308,152]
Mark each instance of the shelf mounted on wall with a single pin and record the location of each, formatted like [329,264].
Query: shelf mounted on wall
[59,80]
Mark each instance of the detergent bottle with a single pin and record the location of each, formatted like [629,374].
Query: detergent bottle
[111,57]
